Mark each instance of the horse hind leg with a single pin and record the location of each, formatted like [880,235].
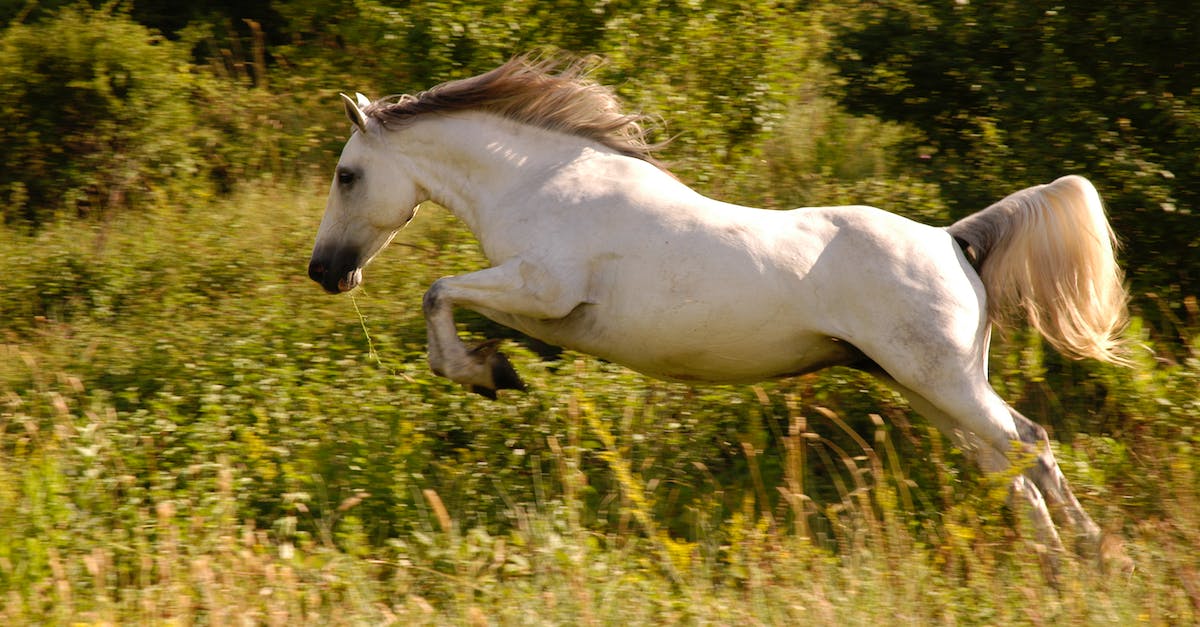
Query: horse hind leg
[1049,479]
[990,459]
[1042,483]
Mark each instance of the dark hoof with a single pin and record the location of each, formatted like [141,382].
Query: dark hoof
[487,393]
[504,376]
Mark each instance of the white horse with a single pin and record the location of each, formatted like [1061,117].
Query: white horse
[596,248]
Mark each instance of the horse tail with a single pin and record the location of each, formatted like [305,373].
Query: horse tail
[1049,251]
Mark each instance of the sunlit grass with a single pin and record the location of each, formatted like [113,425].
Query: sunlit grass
[191,432]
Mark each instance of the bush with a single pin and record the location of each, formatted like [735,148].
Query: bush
[1009,94]
[96,110]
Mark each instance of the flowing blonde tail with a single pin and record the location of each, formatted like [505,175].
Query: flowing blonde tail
[1048,250]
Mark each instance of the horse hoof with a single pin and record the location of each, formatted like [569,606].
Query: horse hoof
[487,393]
[504,376]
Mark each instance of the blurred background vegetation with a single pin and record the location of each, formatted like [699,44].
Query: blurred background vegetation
[191,432]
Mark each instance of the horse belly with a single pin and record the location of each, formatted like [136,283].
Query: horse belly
[747,362]
[692,348]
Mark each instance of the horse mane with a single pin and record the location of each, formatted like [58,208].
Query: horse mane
[551,93]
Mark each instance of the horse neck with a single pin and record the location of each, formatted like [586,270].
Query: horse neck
[469,162]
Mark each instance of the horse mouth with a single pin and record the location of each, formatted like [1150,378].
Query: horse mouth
[350,281]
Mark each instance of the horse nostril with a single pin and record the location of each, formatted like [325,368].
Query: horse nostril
[316,271]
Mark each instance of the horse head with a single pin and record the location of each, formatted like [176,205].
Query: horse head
[372,196]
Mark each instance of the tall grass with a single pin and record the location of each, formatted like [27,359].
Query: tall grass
[191,433]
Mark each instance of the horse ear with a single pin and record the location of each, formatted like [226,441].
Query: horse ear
[354,114]
[363,101]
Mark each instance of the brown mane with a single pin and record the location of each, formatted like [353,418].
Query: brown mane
[547,93]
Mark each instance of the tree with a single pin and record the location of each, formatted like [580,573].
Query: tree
[1013,93]
[95,108]
[718,73]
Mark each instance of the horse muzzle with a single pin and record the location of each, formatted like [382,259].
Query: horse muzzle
[337,272]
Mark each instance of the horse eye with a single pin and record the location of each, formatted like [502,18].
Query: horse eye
[345,177]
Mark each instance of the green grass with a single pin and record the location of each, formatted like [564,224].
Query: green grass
[191,432]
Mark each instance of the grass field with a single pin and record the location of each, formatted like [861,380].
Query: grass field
[191,432]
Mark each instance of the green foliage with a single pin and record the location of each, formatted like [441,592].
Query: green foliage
[719,74]
[96,110]
[1009,94]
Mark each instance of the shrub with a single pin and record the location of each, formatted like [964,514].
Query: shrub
[96,109]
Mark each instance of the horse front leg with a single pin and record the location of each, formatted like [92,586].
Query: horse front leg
[515,288]
[482,369]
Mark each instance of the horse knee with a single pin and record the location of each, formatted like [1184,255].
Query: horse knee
[432,301]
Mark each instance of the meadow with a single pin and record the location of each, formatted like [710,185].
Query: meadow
[192,432]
